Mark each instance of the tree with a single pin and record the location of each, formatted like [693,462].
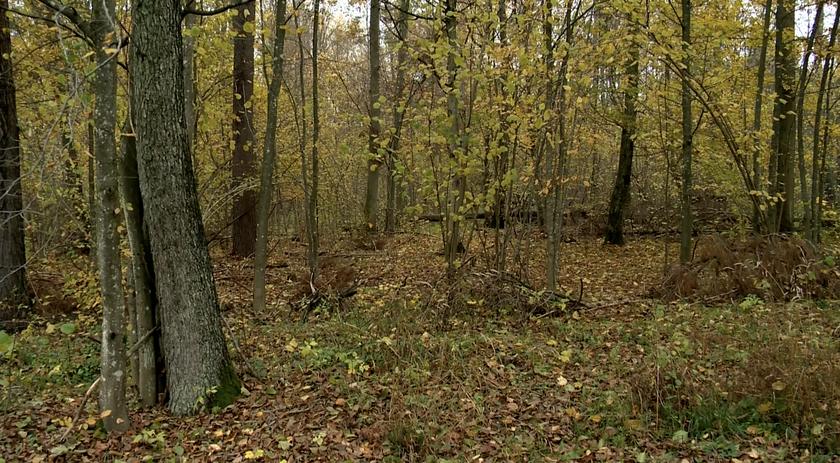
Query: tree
[244,202]
[112,390]
[13,282]
[555,210]
[802,86]
[784,127]
[375,128]
[820,141]
[199,370]
[757,109]
[686,222]
[144,314]
[400,107]
[269,155]
[620,198]
[456,140]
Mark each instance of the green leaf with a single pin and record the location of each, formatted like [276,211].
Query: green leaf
[68,328]
[6,342]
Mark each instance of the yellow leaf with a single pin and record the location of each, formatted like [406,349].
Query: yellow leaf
[105,414]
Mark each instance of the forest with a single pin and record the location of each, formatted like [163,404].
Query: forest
[419,230]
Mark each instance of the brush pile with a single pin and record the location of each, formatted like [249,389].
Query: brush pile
[774,268]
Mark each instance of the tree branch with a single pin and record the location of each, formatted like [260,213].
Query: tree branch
[214,11]
[71,14]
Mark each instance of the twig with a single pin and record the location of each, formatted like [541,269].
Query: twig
[139,342]
[239,351]
[81,407]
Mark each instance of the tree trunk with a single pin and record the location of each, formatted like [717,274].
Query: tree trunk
[554,215]
[13,283]
[819,150]
[800,116]
[145,303]
[312,213]
[374,157]
[269,156]
[112,389]
[199,370]
[399,116]
[620,198]
[686,221]
[758,226]
[244,199]
[785,104]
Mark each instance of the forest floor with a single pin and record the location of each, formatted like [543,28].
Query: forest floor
[405,370]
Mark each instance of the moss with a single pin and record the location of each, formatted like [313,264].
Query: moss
[228,390]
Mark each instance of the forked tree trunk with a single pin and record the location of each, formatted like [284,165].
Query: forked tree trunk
[199,370]
[244,161]
[13,284]
[269,156]
[112,390]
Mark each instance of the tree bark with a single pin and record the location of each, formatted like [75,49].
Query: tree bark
[800,116]
[375,127]
[785,107]
[313,239]
[819,150]
[561,144]
[199,370]
[244,162]
[145,302]
[269,156]
[686,220]
[399,116]
[190,21]
[620,198]
[113,362]
[13,282]
[758,226]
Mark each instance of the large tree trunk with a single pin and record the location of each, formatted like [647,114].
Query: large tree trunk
[620,198]
[198,367]
[785,105]
[686,220]
[147,356]
[244,202]
[269,156]
[112,390]
[13,284]
[375,159]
